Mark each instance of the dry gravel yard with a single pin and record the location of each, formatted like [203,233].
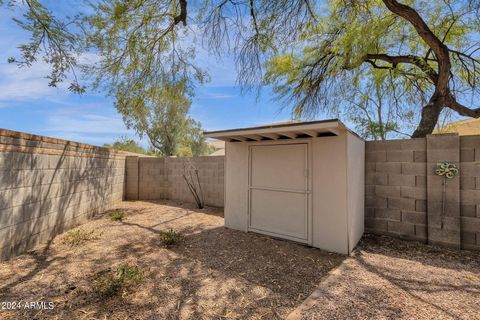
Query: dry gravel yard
[217,273]
[212,273]
[389,278]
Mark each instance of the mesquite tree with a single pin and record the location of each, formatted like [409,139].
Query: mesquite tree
[54,40]
[309,51]
[161,115]
[431,50]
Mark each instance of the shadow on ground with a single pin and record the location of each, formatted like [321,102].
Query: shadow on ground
[213,272]
[218,273]
[389,278]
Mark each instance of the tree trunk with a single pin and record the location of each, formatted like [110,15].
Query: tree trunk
[431,111]
[430,115]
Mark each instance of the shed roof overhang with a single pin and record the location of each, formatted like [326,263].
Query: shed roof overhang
[295,130]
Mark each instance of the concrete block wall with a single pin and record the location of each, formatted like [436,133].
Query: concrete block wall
[131,178]
[440,148]
[470,192]
[151,178]
[211,174]
[395,188]
[404,197]
[48,186]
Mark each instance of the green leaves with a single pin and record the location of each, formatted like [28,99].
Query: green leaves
[129,145]
[139,45]
[312,53]
[51,40]
[160,114]
[148,68]
[332,61]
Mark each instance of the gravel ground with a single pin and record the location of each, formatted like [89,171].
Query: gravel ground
[218,273]
[212,273]
[389,278]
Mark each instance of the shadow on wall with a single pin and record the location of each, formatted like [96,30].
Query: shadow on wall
[149,178]
[42,195]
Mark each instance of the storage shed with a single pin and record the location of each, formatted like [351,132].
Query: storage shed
[299,181]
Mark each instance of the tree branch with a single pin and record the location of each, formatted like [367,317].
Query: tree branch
[376,66]
[453,104]
[254,17]
[437,46]
[465,55]
[410,59]
[182,17]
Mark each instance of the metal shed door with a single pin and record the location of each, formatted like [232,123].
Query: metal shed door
[278,190]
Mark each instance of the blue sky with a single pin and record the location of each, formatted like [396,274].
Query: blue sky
[27,104]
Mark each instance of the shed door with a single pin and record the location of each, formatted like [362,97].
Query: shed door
[279,190]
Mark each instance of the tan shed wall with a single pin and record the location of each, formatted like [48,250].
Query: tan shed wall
[329,190]
[356,188]
[331,197]
[236,186]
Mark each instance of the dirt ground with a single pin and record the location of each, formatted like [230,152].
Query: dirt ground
[389,278]
[212,273]
[218,273]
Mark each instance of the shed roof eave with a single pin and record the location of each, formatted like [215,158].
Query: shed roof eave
[332,126]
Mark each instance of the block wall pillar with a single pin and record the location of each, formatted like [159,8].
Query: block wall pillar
[131,172]
[442,206]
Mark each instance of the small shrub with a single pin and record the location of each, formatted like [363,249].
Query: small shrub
[78,237]
[111,283]
[170,237]
[117,215]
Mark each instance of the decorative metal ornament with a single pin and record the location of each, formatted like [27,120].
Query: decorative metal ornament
[447,169]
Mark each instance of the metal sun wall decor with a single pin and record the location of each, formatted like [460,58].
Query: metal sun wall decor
[447,170]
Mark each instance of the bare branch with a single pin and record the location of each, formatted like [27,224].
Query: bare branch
[410,59]
[182,16]
[452,103]
[440,49]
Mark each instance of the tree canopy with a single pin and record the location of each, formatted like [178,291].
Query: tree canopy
[431,50]
[129,145]
[421,56]
[55,41]
[161,115]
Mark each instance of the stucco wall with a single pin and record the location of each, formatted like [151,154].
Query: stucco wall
[152,178]
[49,185]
